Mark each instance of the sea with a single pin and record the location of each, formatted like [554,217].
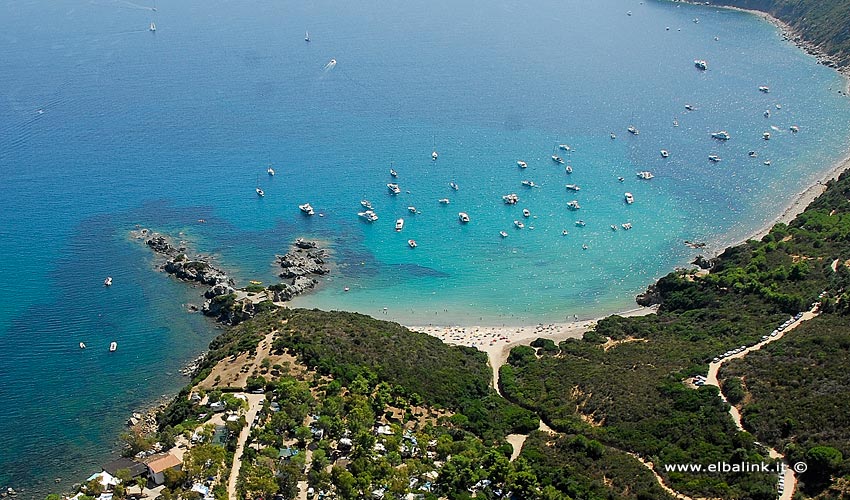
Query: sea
[107,126]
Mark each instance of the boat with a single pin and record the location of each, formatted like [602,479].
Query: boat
[307,209]
[696,20]
[453,186]
[721,135]
[613,135]
[306,36]
[368,216]
[573,205]
[510,199]
[766,136]
[646,175]
[794,128]
[444,201]
[701,64]
[613,227]
[255,282]
[503,234]
[152,27]
[270,171]
[82,345]
[573,187]
[557,159]
[528,183]
[767,113]
[675,122]
[626,225]
[665,153]
[521,164]
[518,224]
[633,130]
[689,107]
[366,204]
[629,198]
[463,217]
[568,169]
[411,243]
[764,89]
[434,156]
[113,346]
[713,158]
[752,154]
[107,281]
[260,192]
[621,179]
[393,172]
[564,232]
[394,189]
[580,223]
[767,162]
[629,13]
[584,246]
[564,147]
[411,209]
[526,212]
[399,225]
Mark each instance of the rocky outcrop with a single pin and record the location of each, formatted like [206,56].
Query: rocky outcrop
[650,297]
[702,262]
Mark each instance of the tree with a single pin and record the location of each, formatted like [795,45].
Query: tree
[135,442]
[303,434]
[203,460]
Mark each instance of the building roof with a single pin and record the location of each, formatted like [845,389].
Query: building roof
[135,468]
[161,463]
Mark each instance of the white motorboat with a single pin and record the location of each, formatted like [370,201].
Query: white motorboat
[767,162]
[411,209]
[152,27]
[510,199]
[307,209]
[107,281]
[701,64]
[463,217]
[366,204]
[306,36]
[113,346]
[527,183]
[629,198]
[557,159]
[613,227]
[564,147]
[368,216]
[752,154]
[689,107]
[453,186]
[580,223]
[626,225]
[260,192]
[394,189]
[526,213]
[82,345]
[794,128]
[393,172]
[399,225]
[646,175]
[764,89]
[621,179]
[521,164]
[573,187]
[270,171]
[721,135]
[665,153]
[411,243]
[573,205]
[713,158]
[568,169]
[766,136]
[613,136]
[633,130]
[767,113]
[444,201]
[503,234]
[519,224]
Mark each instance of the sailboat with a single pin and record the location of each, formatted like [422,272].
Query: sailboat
[270,170]
[306,36]
[434,152]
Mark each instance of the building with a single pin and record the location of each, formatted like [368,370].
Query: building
[136,468]
[158,464]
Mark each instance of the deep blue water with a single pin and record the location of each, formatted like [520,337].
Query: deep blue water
[162,129]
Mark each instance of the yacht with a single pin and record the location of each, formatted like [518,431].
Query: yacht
[366,204]
[411,209]
[453,186]
[393,172]
[152,27]
[764,89]
[521,164]
[503,234]
[580,223]
[573,205]
[701,64]
[665,153]
[307,209]
[766,136]
[113,346]
[713,158]
[646,175]
[519,224]
[463,217]
[444,201]
[794,128]
[526,213]
[633,130]
[626,225]
[564,147]
[368,216]
[107,281]
[82,345]
[527,183]
[411,243]
[510,199]
[569,169]
[270,171]
[573,187]
[629,198]
[399,225]
[394,189]
[721,135]
[557,159]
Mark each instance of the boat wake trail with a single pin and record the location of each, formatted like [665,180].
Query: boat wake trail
[126,4]
[330,65]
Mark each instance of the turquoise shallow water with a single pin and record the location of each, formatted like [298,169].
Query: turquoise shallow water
[161,129]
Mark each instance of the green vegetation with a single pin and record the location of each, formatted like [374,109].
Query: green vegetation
[823,23]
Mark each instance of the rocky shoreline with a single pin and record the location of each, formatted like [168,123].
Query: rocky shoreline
[223,300]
